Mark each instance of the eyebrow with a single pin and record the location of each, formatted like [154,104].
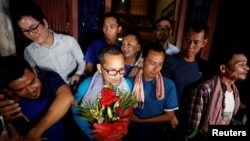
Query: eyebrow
[18,89]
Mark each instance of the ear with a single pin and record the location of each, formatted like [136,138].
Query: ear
[170,32]
[45,23]
[99,67]
[223,68]
[119,29]
[8,91]
[142,61]
[139,47]
[205,42]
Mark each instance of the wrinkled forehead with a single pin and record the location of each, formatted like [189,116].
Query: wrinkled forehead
[238,58]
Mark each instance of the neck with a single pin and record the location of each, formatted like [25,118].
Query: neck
[188,58]
[164,43]
[227,82]
[130,60]
[48,41]
[111,41]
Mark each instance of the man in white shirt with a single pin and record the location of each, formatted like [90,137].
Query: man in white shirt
[162,31]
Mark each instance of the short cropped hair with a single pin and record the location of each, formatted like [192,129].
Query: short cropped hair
[28,8]
[198,27]
[152,46]
[133,32]
[108,49]
[162,19]
[12,68]
[113,15]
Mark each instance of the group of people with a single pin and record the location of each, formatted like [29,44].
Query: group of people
[175,96]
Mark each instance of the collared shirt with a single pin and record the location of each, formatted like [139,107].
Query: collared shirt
[63,56]
[171,49]
[34,109]
[200,98]
[92,52]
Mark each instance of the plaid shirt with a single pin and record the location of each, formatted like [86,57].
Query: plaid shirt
[200,98]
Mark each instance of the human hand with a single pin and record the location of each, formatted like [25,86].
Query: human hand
[34,135]
[14,136]
[74,80]
[9,109]
[134,118]
[174,122]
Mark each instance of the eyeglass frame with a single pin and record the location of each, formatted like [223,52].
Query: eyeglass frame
[165,29]
[32,30]
[108,71]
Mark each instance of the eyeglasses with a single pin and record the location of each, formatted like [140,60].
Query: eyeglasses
[166,29]
[32,30]
[114,72]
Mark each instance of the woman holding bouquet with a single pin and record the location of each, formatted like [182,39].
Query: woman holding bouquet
[110,71]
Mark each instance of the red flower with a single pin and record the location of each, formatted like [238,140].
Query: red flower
[108,97]
[119,111]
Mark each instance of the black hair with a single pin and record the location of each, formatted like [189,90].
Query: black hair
[198,27]
[113,15]
[152,46]
[133,32]
[27,8]
[224,56]
[162,19]
[12,68]
[108,49]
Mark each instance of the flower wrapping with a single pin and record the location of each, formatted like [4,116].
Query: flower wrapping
[110,113]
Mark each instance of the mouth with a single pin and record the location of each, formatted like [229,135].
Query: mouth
[33,94]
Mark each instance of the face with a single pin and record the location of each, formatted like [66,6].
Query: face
[112,64]
[162,31]
[152,64]
[110,28]
[130,46]
[237,68]
[192,43]
[27,86]
[33,29]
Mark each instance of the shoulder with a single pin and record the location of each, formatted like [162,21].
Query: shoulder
[129,82]
[85,83]
[172,46]
[98,42]
[50,79]
[168,81]
[30,46]
[61,36]
[45,75]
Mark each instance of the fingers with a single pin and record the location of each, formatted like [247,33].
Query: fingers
[4,136]
[12,130]
[9,109]
[74,103]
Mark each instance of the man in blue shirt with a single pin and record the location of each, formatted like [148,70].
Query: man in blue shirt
[111,27]
[34,103]
[156,96]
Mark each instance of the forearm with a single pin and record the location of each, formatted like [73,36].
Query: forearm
[166,117]
[56,111]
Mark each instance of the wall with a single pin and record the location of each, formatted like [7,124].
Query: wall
[161,5]
[7,44]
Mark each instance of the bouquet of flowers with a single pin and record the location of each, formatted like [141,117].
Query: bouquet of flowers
[110,113]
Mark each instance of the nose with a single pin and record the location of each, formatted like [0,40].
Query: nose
[157,68]
[247,68]
[29,89]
